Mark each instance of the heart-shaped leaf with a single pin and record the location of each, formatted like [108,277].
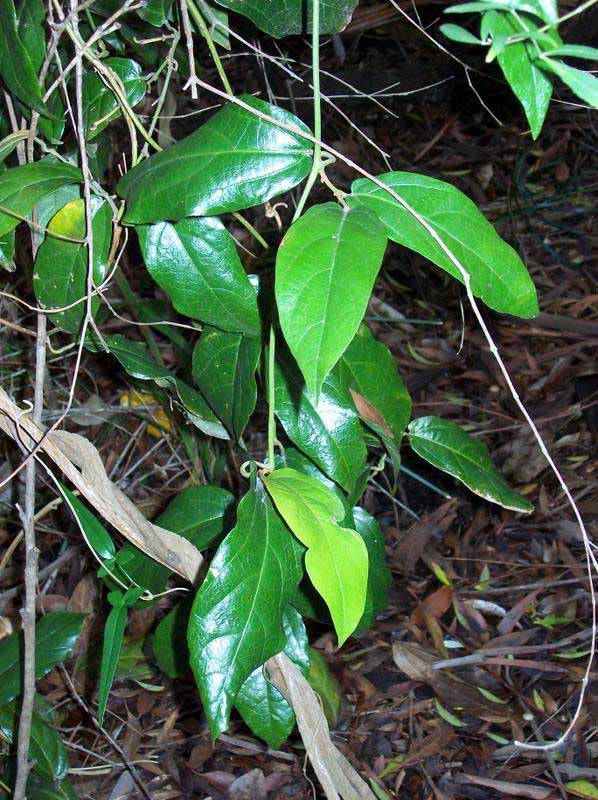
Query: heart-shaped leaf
[325,271]
[336,558]
[498,276]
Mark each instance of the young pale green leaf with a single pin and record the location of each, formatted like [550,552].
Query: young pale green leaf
[259,703]
[583,84]
[545,9]
[114,630]
[288,17]
[236,619]
[31,17]
[100,105]
[379,577]
[97,536]
[224,367]
[368,367]
[22,188]
[328,431]
[325,271]
[498,276]
[518,62]
[234,161]
[458,34]
[449,448]
[336,558]
[56,634]
[45,746]
[60,268]
[17,68]
[196,262]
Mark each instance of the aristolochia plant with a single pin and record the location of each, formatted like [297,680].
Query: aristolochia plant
[299,545]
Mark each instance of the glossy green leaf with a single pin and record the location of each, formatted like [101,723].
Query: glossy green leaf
[224,367]
[236,620]
[60,268]
[583,84]
[100,105]
[22,188]
[336,558]
[259,703]
[156,12]
[498,276]
[170,640]
[50,204]
[45,746]
[449,448]
[234,161]
[217,23]
[56,634]
[196,262]
[287,17]
[458,34]
[530,84]
[328,431]
[31,16]
[369,368]
[17,67]
[114,630]
[7,251]
[97,536]
[379,577]
[325,271]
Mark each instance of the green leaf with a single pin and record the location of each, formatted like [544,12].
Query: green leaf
[446,715]
[22,188]
[60,268]
[234,161]
[170,640]
[156,12]
[449,448]
[575,51]
[45,746]
[224,367]
[97,536]
[379,577]
[369,368]
[530,85]
[545,9]
[196,262]
[288,17]
[7,251]
[259,703]
[56,634]
[217,23]
[325,271]
[325,685]
[114,630]
[582,788]
[31,16]
[458,34]
[336,558]
[236,620]
[498,276]
[10,142]
[583,84]
[328,431]
[17,68]
[100,105]
[42,789]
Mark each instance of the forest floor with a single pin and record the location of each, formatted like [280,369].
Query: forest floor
[471,582]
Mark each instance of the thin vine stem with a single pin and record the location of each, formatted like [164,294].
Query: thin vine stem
[205,32]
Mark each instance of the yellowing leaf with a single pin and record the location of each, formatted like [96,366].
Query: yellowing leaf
[135,399]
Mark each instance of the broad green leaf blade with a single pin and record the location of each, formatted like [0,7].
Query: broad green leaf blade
[31,16]
[60,268]
[379,577]
[498,276]
[325,271]
[234,161]
[100,106]
[196,262]
[260,704]
[114,630]
[156,12]
[529,83]
[170,640]
[17,68]
[581,83]
[449,448]
[288,17]
[97,536]
[328,431]
[368,367]
[56,634]
[458,34]
[224,367]
[45,746]
[236,620]
[336,558]
[22,188]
